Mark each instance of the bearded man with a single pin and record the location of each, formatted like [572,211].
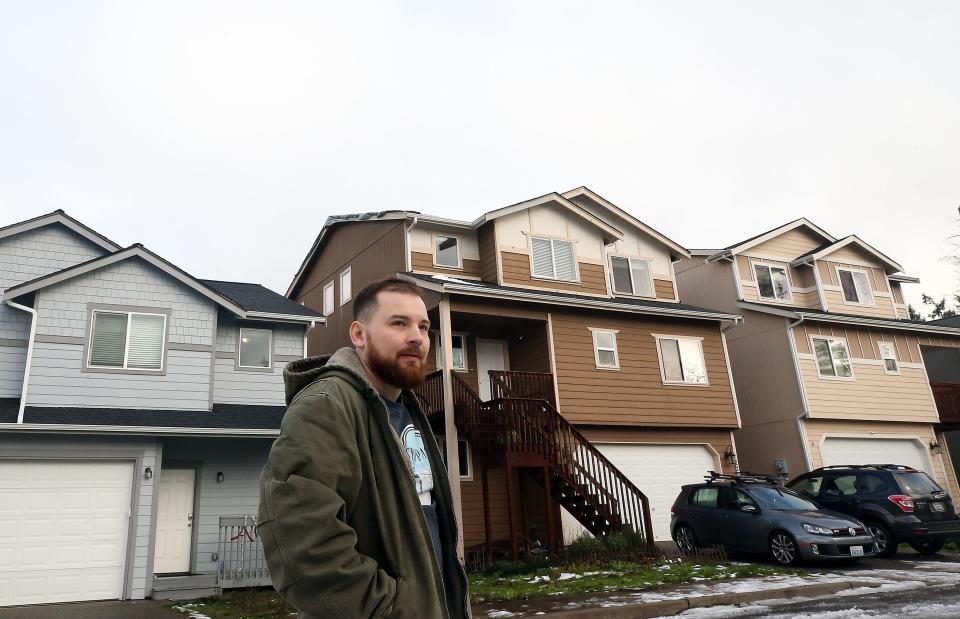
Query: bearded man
[356,517]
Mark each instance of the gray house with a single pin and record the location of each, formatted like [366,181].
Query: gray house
[137,407]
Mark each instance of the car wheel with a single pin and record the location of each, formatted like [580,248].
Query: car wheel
[686,539]
[927,546]
[783,549]
[883,539]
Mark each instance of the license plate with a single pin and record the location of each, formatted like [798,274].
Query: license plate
[856,551]
[938,507]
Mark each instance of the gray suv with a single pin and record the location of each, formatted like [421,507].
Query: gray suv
[751,513]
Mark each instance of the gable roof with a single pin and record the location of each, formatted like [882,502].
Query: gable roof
[60,217]
[553,196]
[257,299]
[853,239]
[769,234]
[619,212]
[256,302]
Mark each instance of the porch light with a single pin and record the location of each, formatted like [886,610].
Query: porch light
[220,478]
[148,473]
[730,456]
[935,447]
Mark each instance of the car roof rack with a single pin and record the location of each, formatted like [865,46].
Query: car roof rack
[741,478]
[875,467]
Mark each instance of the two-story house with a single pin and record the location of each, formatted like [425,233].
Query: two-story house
[137,407]
[828,368]
[576,388]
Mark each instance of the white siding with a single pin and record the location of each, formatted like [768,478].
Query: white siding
[57,379]
[147,450]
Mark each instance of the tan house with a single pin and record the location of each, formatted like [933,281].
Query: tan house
[828,368]
[580,392]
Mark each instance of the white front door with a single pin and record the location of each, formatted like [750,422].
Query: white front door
[63,530]
[491,355]
[174,521]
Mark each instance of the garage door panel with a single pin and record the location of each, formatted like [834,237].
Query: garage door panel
[843,450]
[67,538]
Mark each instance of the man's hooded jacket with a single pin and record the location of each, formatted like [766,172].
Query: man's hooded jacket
[342,528]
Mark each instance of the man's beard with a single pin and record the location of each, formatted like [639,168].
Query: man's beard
[394,371]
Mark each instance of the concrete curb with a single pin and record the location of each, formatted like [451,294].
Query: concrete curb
[646,610]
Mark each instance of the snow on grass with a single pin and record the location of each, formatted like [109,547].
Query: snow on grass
[500,613]
[191,609]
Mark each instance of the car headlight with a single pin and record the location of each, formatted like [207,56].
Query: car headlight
[816,530]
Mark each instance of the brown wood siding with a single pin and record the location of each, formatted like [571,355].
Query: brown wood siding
[471,496]
[487,245]
[897,293]
[372,250]
[423,262]
[707,284]
[516,270]
[664,289]
[636,394]
[533,353]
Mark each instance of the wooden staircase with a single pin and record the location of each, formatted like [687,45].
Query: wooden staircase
[529,433]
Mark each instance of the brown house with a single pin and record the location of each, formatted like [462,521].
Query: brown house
[827,366]
[581,392]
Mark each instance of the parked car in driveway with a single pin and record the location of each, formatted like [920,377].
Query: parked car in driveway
[897,503]
[754,514]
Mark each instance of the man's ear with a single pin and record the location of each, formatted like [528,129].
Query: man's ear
[357,334]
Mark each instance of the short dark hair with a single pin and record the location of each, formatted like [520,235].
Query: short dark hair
[365,303]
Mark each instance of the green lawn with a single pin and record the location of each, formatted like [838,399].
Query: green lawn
[498,587]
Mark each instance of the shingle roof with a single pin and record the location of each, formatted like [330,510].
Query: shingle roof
[627,303]
[892,322]
[223,416]
[257,298]
[952,321]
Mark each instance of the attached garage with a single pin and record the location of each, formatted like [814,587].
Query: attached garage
[843,450]
[658,471]
[64,528]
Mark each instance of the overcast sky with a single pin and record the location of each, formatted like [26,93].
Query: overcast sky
[221,135]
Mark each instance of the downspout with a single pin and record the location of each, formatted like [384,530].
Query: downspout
[406,244]
[313,323]
[26,366]
[803,394]
[733,388]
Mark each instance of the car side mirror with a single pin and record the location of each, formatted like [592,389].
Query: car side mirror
[750,509]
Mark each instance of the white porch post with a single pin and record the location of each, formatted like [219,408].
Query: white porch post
[450,429]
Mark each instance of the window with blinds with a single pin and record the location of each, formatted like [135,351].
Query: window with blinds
[553,259]
[127,340]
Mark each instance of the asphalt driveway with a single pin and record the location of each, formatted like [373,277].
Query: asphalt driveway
[131,609]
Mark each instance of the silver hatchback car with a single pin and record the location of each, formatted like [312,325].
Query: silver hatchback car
[753,514]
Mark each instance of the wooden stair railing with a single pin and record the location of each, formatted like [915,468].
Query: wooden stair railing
[511,384]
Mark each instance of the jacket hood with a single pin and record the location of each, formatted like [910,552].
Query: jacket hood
[345,363]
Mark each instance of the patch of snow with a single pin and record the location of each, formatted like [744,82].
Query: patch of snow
[500,613]
[566,576]
[537,579]
[188,609]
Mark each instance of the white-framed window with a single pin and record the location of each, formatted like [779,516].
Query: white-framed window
[463,450]
[856,286]
[553,259]
[772,282]
[681,360]
[833,356]
[256,348]
[328,299]
[605,349]
[446,252]
[459,341]
[345,285]
[632,276]
[888,352]
[127,340]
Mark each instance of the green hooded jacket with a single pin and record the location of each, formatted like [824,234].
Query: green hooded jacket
[342,528]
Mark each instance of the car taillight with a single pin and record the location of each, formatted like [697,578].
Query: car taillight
[904,502]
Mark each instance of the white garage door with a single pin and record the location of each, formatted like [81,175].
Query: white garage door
[837,450]
[63,530]
[658,471]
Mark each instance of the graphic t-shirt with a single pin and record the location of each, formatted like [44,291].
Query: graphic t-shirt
[412,442]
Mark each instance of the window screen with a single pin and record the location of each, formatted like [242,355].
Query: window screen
[632,276]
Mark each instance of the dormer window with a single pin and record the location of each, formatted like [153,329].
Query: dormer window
[632,276]
[447,252]
[553,259]
[772,282]
[856,287]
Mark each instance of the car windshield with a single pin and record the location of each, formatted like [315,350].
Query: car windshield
[781,499]
[917,482]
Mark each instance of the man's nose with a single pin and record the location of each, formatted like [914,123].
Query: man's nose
[415,336]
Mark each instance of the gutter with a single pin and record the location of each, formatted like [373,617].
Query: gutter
[283,317]
[805,413]
[26,367]
[148,430]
